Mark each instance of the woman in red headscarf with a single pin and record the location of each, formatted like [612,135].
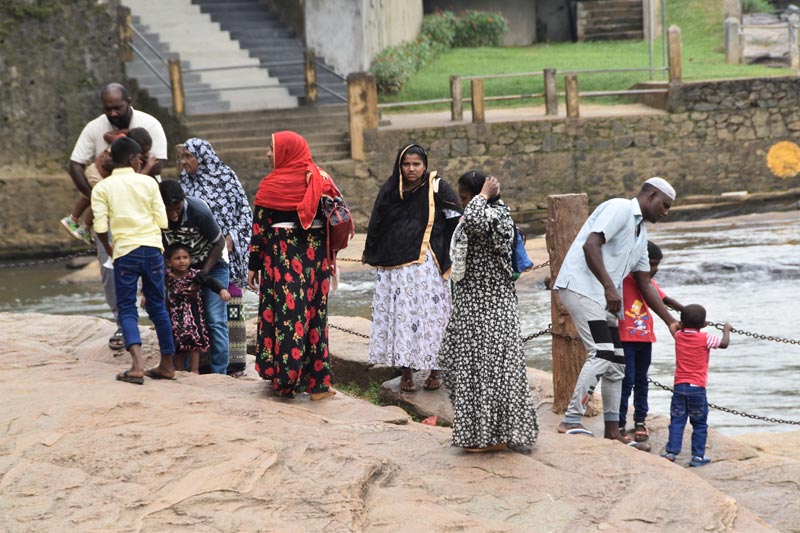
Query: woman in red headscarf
[289,267]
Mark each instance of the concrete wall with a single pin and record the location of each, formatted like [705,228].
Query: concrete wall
[520,14]
[714,141]
[350,33]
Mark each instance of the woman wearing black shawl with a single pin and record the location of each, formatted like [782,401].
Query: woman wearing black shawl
[408,241]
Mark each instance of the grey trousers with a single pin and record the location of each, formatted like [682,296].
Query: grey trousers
[107,279]
[606,360]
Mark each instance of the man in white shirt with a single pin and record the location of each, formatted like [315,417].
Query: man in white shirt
[118,117]
[611,244]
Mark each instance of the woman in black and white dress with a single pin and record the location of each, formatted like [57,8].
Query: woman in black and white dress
[481,355]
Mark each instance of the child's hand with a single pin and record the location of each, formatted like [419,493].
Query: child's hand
[224,295]
[726,328]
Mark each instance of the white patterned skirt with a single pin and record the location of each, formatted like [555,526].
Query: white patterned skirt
[410,311]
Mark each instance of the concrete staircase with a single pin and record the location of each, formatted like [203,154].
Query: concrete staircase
[179,27]
[261,33]
[610,20]
[241,138]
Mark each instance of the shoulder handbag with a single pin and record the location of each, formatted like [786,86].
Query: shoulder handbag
[338,224]
[520,262]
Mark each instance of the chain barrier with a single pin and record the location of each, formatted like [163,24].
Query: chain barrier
[733,411]
[5,266]
[755,335]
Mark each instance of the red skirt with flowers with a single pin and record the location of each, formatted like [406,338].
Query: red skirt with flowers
[293,306]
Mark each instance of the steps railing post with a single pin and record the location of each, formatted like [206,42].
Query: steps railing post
[457,102]
[550,92]
[675,67]
[176,86]
[573,99]
[478,111]
[362,110]
[124,33]
[311,76]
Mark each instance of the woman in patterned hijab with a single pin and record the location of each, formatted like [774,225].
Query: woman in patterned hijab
[204,176]
[214,182]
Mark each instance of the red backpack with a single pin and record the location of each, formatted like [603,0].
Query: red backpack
[338,222]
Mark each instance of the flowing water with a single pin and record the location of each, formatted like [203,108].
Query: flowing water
[744,270]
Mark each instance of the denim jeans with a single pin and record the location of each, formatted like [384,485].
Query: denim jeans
[637,363]
[217,318]
[688,401]
[146,263]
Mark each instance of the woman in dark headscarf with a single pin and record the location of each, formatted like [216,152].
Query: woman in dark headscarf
[205,176]
[290,269]
[408,241]
[482,353]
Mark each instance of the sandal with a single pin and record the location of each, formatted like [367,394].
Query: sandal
[407,385]
[117,340]
[434,381]
[640,432]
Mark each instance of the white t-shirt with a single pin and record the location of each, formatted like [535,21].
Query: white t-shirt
[91,144]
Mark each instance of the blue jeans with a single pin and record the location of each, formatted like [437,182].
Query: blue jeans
[637,363]
[688,401]
[217,318]
[146,263]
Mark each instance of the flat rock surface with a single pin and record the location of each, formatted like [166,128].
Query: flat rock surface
[82,452]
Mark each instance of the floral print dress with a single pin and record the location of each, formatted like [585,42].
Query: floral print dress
[293,306]
[186,314]
[481,355]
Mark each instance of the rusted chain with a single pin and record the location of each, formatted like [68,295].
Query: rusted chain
[734,411]
[755,335]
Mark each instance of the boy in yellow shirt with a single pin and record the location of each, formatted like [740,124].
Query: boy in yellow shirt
[130,205]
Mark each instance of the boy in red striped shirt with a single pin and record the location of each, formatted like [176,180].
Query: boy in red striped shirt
[692,351]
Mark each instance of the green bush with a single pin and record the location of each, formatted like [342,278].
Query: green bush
[395,65]
[480,28]
[440,27]
[757,6]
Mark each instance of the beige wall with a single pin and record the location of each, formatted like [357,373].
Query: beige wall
[350,33]
[520,14]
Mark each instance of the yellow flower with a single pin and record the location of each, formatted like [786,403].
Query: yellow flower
[783,159]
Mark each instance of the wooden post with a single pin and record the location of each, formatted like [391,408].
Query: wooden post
[732,53]
[124,33]
[566,214]
[478,112]
[311,76]
[176,86]
[675,68]
[794,54]
[573,99]
[457,102]
[550,92]
[362,110]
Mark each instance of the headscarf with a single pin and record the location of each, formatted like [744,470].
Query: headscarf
[216,183]
[399,220]
[296,182]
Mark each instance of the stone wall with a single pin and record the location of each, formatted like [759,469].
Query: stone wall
[715,140]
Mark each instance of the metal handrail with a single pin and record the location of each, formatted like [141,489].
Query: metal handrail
[499,76]
[327,68]
[149,65]
[146,42]
[387,105]
[329,91]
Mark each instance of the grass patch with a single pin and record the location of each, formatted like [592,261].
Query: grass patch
[370,394]
[703,58]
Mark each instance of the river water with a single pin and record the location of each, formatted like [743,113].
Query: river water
[743,270]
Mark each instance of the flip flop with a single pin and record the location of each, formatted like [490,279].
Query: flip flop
[152,373]
[433,382]
[642,446]
[579,431]
[117,340]
[317,396]
[407,385]
[130,379]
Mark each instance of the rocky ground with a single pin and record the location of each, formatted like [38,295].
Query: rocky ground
[82,452]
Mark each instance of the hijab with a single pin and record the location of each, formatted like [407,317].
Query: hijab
[296,182]
[398,226]
[216,184]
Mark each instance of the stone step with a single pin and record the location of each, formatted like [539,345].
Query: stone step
[308,114]
[328,140]
[608,36]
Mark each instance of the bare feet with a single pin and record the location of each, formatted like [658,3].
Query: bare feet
[407,380]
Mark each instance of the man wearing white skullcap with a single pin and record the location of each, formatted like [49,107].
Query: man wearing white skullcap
[611,244]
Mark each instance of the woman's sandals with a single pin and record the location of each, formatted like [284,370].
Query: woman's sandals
[640,432]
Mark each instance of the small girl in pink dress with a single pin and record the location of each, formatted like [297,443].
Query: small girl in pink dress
[185,305]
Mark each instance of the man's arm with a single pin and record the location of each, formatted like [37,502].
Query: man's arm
[593,252]
[77,172]
[104,241]
[652,298]
[673,303]
[213,255]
